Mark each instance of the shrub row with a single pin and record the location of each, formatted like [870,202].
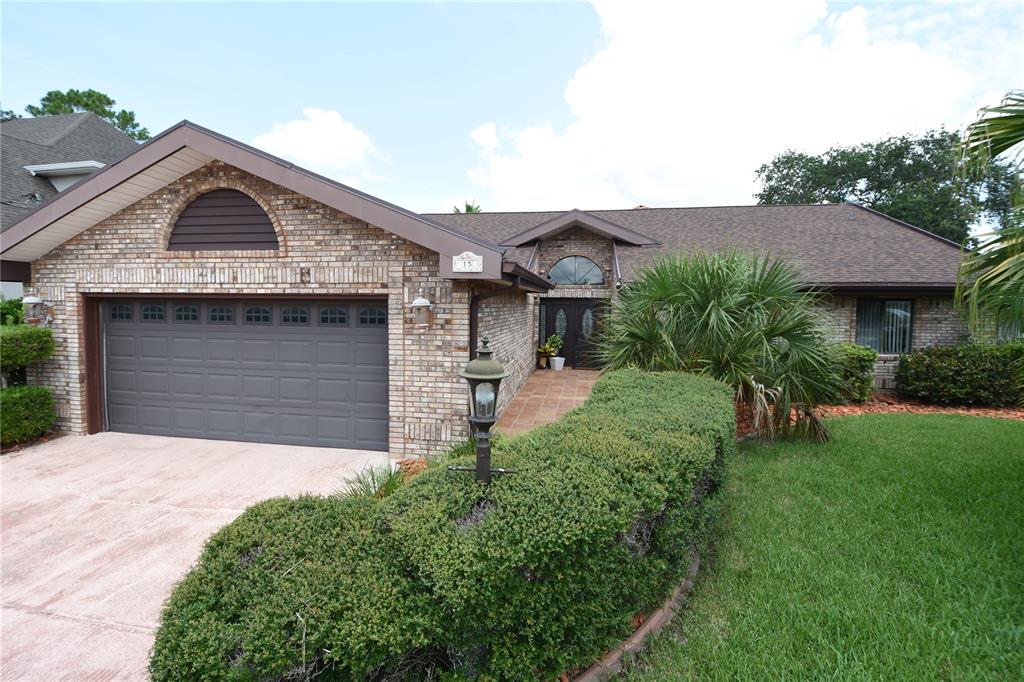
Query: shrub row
[968,374]
[25,413]
[22,345]
[535,575]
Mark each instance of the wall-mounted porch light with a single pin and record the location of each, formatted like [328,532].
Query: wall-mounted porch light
[36,311]
[422,310]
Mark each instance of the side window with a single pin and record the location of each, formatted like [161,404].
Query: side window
[373,316]
[121,312]
[257,314]
[152,312]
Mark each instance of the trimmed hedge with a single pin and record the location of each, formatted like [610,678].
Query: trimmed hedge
[856,367]
[25,412]
[968,374]
[22,345]
[536,575]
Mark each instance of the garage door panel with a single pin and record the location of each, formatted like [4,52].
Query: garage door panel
[120,347]
[154,384]
[222,385]
[257,351]
[218,374]
[296,389]
[335,354]
[186,349]
[371,354]
[222,351]
[154,348]
[187,384]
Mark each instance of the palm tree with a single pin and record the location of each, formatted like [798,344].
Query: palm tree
[991,279]
[744,319]
[469,208]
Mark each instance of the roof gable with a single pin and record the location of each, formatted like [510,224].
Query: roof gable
[578,218]
[185,147]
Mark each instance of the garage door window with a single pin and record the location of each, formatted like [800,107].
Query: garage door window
[373,317]
[186,313]
[295,315]
[153,312]
[121,312]
[257,315]
[333,316]
[221,313]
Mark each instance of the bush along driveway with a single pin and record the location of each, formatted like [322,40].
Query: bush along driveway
[538,574]
[895,551]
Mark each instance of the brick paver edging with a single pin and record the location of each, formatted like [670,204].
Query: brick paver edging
[611,664]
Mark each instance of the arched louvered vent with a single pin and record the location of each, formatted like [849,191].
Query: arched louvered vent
[224,219]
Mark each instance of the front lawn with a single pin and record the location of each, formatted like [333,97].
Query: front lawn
[896,551]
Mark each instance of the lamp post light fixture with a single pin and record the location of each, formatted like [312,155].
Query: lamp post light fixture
[484,375]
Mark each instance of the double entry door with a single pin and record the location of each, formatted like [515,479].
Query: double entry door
[576,320]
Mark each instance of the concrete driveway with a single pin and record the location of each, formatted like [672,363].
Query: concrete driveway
[96,530]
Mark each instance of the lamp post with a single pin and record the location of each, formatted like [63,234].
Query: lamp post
[484,375]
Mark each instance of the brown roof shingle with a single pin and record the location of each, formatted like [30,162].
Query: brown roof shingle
[838,245]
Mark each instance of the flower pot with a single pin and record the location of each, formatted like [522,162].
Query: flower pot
[543,362]
[557,363]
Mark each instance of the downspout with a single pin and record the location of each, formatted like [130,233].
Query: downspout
[615,262]
[474,311]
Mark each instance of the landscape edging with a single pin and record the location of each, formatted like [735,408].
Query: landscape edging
[611,663]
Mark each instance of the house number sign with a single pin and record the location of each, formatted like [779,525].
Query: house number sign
[467,261]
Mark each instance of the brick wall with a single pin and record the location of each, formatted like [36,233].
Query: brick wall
[322,252]
[935,322]
[510,323]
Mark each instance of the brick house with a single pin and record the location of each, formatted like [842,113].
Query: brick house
[200,287]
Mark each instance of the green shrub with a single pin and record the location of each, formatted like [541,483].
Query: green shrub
[968,374]
[25,412]
[856,367]
[23,345]
[535,575]
[11,311]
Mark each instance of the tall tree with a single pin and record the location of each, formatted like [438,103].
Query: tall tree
[991,285]
[906,177]
[56,102]
[469,208]
[7,115]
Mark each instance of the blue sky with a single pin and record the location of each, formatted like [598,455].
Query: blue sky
[526,106]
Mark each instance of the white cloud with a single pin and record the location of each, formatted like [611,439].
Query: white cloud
[324,142]
[686,100]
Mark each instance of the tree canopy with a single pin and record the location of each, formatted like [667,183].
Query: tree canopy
[469,208]
[910,178]
[72,101]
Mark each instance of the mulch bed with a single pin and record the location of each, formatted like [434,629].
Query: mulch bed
[888,403]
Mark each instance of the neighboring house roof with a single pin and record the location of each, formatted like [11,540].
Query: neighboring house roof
[45,141]
[185,147]
[835,245]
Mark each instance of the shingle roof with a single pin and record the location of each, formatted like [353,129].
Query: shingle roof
[50,139]
[839,245]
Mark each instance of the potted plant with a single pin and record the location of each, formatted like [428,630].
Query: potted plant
[545,351]
[555,341]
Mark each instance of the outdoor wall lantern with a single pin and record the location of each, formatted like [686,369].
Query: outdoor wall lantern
[35,311]
[422,310]
[484,375]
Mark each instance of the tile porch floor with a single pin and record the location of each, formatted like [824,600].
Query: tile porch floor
[545,397]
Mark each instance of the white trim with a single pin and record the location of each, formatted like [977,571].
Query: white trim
[65,168]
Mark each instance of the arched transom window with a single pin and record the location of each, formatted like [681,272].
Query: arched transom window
[576,270]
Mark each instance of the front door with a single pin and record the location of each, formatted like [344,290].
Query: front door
[576,321]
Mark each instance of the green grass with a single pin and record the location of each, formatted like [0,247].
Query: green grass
[896,551]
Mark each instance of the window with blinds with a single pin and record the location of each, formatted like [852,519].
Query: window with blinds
[884,325]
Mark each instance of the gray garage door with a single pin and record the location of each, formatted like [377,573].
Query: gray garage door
[301,373]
